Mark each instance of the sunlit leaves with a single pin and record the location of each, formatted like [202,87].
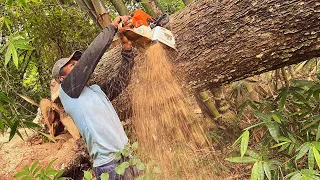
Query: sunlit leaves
[38,172]
[15,42]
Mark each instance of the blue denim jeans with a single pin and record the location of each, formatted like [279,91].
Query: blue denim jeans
[107,168]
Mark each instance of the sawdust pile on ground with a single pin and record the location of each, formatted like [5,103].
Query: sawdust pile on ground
[164,126]
[17,153]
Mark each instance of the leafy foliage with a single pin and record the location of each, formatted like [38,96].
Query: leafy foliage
[291,130]
[38,172]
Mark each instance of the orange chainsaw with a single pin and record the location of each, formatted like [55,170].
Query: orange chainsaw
[147,29]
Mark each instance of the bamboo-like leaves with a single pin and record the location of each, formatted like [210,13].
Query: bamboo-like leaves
[244,143]
[316,155]
[14,43]
[311,158]
[303,149]
[244,159]
[255,171]
[267,170]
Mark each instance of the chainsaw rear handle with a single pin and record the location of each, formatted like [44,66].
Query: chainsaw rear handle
[160,21]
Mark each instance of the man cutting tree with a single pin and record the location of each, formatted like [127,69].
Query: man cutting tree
[90,106]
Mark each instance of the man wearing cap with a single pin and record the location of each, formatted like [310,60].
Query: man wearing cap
[90,106]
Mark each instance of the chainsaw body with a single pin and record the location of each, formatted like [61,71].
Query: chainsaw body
[147,29]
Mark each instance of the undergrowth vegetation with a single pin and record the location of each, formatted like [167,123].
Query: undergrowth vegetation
[284,143]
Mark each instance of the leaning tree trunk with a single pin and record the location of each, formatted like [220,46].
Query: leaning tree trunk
[221,42]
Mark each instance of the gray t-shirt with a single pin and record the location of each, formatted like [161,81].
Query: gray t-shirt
[97,122]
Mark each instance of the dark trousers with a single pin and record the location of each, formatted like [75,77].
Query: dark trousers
[108,168]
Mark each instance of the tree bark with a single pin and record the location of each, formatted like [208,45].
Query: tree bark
[221,42]
[120,7]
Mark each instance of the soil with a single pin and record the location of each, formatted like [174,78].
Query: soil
[17,153]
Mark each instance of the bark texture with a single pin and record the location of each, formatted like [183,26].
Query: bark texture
[221,42]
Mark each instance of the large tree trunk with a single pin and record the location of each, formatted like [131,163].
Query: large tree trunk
[220,42]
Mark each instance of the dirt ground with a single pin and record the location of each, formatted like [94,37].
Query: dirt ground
[18,153]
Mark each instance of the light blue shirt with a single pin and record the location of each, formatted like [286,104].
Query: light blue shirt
[97,122]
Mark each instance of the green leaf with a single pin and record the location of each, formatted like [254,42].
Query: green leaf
[316,144]
[284,147]
[309,171]
[267,170]
[15,56]
[14,129]
[283,98]
[291,148]
[23,4]
[237,141]
[58,174]
[22,44]
[134,146]
[48,136]
[8,23]
[244,159]
[22,173]
[52,172]
[291,174]
[26,178]
[303,150]
[4,47]
[263,116]
[316,94]
[5,98]
[261,171]
[30,124]
[49,165]
[279,144]
[244,143]
[36,170]
[122,167]
[255,125]
[255,171]
[311,158]
[276,118]
[7,56]
[118,156]
[87,175]
[298,96]
[316,155]
[296,177]
[318,133]
[273,130]
[140,165]
[9,2]
[34,165]
[104,176]
[252,154]
[1,126]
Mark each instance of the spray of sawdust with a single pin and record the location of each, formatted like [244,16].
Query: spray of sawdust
[164,126]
